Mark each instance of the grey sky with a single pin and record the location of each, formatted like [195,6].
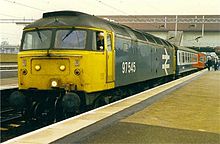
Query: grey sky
[11,9]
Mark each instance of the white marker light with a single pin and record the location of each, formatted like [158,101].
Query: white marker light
[37,67]
[54,83]
[62,67]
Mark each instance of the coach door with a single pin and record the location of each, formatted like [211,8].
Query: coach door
[109,58]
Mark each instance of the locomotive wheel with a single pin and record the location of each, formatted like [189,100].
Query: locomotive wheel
[44,111]
[129,92]
[37,111]
[58,110]
[117,96]
[70,104]
[122,93]
[100,102]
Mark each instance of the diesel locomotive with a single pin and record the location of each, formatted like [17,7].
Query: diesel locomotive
[70,61]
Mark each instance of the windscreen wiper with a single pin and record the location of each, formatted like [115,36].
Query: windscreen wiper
[67,34]
[39,35]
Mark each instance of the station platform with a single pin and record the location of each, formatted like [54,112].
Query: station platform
[186,110]
[8,83]
[190,114]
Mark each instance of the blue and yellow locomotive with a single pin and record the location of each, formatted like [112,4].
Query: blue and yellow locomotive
[71,60]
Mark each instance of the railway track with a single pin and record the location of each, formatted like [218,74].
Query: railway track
[17,127]
[9,115]
[13,124]
[8,70]
[10,119]
[8,67]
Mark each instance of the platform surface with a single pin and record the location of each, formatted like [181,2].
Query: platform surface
[190,114]
[7,83]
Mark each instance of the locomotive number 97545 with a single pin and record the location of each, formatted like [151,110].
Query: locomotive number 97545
[128,67]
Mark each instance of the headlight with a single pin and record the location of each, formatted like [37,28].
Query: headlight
[62,67]
[37,67]
[54,83]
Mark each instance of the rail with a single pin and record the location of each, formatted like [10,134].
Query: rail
[8,68]
[9,115]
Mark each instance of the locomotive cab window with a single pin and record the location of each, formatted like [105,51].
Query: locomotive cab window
[37,39]
[70,39]
[100,41]
[109,43]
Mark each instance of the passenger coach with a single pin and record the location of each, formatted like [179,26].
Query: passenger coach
[187,59]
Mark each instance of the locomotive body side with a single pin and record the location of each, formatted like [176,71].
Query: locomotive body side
[140,60]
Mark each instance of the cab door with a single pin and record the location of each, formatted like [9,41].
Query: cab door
[109,58]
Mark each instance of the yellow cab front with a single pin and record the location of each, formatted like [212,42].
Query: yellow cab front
[70,58]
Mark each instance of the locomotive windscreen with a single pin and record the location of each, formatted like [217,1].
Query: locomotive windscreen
[68,38]
[37,39]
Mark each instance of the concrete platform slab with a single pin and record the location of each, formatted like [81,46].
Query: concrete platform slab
[8,83]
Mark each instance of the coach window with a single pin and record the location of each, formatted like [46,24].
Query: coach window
[100,41]
[109,43]
[183,57]
[202,59]
[188,57]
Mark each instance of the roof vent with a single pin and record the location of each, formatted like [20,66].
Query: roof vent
[62,13]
